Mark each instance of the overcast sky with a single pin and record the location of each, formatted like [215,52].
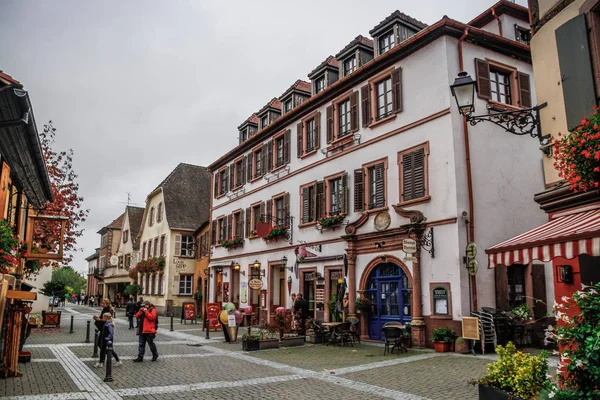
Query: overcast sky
[136,87]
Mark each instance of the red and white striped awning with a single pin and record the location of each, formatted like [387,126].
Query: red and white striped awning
[568,235]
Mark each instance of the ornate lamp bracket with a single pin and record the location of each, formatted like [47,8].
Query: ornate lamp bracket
[425,240]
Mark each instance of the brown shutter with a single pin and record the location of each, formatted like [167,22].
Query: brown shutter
[239,229]
[365,94]
[484,87]
[305,205]
[359,190]
[286,208]
[329,124]
[229,231]
[248,216]
[524,89]
[264,153]
[419,173]
[345,193]
[269,166]
[317,130]
[249,166]
[286,146]
[407,177]
[216,184]
[354,112]
[379,185]
[269,211]
[300,140]
[262,213]
[397,89]
[320,199]
[243,173]
[232,176]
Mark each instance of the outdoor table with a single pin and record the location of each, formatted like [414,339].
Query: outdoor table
[331,326]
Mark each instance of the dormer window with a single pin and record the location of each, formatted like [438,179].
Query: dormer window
[320,85]
[264,121]
[386,41]
[243,135]
[349,65]
[287,106]
[522,35]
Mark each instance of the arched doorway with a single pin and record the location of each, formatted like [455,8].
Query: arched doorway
[388,289]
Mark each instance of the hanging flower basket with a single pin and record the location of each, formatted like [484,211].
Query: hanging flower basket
[232,243]
[577,154]
[331,220]
[151,265]
[275,233]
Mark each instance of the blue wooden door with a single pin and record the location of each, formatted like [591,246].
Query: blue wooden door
[390,294]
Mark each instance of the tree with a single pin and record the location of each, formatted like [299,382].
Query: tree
[65,188]
[55,289]
[69,278]
[133,290]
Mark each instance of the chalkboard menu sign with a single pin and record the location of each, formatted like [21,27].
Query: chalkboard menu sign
[188,311]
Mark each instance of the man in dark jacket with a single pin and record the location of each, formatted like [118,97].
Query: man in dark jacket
[131,309]
[301,311]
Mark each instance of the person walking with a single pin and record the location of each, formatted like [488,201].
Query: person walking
[301,311]
[99,320]
[108,334]
[147,331]
[131,309]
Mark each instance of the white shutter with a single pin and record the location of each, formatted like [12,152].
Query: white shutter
[178,246]
[176,285]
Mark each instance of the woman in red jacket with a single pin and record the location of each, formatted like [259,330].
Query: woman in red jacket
[146,331]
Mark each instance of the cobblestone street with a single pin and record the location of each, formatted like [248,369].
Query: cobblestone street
[191,367]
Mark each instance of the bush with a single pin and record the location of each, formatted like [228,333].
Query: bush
[443,335]
[517,373]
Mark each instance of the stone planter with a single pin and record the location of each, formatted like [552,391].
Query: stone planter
[441,347]
[254,345]
[490,393]
[292,341]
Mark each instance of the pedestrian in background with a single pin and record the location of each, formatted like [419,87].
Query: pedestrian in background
[131,309]
[147,331]
[108,334]
[301,312]
[99,321]
[139,305]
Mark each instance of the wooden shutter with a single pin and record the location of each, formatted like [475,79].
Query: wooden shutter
[305,205]
[244,162]
[178,245]
[269,211]
[143,250]
[155,246]
[286,208]
[538,278]
[213,233]
[286,146]
[524,90]
[320,199]
[419,173]
[359,190]
[216,184]
[379,185]
[300,139]
[501,288]
[249,166]
[484,87]
[176,285]
[225,189]
[397,89]
[269,166]
[263,213]
[239,228]
[407,177]
[317,129]
[229,231]
[365,94]
[248,216]
[330,124]
[263,154]
[354,112]
[345,193]
[413,175]
[232,176]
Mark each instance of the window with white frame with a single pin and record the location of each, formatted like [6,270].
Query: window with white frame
[185,284]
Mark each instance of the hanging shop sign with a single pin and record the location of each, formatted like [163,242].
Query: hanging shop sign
[409,246]
[471,250]
[255,283]
[472,267]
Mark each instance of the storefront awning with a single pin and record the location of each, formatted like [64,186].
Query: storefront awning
[568,235]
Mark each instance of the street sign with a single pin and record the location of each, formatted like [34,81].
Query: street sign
[255,283]
[471,250]
[409,246]
[472,267]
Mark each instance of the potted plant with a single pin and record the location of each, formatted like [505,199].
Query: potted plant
[331,220]
[442,339]
[514,376]
[522,311]
[577,154]
[253,341]
[275,233]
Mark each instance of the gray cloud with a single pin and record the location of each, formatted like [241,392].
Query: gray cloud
[136,87]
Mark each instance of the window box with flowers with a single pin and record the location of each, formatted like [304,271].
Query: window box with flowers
[276,232]
[577,154]
[330,221]
[232,243]
[151,266]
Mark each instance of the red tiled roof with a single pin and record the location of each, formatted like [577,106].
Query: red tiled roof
[274,103]
[501,7]
[117,223]
[9,80]
[360,39]
[299,85]
[253,119]
[329,61]
[402,16]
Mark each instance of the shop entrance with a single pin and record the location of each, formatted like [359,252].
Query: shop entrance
[389,291]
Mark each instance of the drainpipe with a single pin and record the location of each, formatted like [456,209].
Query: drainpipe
[469,176]
[499,22]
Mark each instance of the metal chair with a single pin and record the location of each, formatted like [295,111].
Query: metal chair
[354,329]
[393,336]
[320,331]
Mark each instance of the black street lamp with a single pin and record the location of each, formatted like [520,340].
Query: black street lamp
[518,122]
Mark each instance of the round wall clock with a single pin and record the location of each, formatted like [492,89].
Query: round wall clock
[382,221]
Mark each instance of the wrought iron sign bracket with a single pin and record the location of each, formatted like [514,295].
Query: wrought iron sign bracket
[425,238]
[316,247]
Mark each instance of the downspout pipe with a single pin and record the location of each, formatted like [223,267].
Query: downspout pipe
[469,175]
[498,20]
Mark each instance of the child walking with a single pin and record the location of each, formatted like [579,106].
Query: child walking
[108,333]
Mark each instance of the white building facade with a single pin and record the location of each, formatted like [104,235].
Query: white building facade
[380,146]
